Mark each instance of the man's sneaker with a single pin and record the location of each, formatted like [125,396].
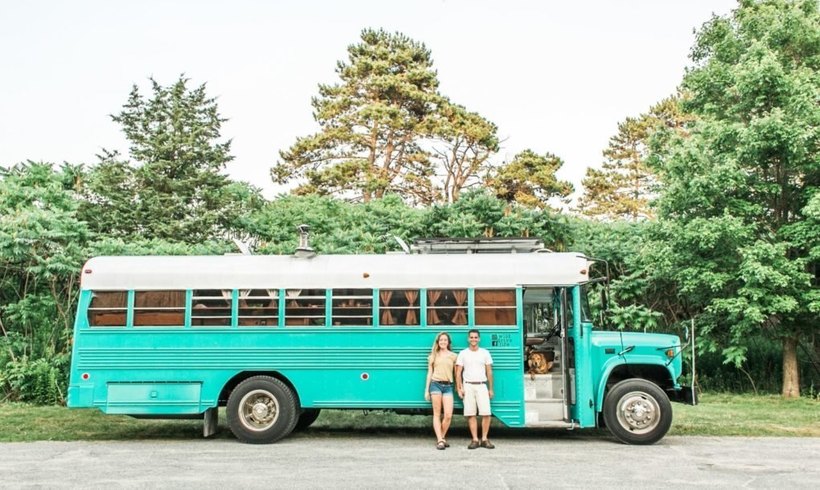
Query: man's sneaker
[473,445]
[487,444]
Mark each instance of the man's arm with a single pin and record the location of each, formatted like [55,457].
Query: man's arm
[489,368]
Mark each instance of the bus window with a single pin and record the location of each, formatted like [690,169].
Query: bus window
[211,307]
[305,307]
[495,307]
[446,306]
[352,307]
[586,312]
[108,309]
[159,308]
[399,307]
[258,307]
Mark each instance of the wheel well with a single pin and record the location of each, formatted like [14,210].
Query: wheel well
[650,372]
[242,376]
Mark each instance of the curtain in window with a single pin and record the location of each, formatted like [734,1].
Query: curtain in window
[460,316]
[432,315]
[243,297]
[411,297]
[387,314]
[293,293]
[274,295]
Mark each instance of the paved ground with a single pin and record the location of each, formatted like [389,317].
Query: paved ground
[349,460]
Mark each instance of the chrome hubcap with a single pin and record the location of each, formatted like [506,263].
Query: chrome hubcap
[259,410]
[638,412]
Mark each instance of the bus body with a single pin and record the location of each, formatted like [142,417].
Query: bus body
[277,338]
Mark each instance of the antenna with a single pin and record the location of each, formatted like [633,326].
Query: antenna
[402,244]
[242,246]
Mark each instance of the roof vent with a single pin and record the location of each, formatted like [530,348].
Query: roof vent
[304,249]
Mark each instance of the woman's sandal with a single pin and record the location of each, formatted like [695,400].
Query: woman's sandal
[440,445]
[446,444]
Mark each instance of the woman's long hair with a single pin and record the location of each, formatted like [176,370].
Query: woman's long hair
[436,348]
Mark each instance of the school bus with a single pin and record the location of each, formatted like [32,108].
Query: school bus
[275,339]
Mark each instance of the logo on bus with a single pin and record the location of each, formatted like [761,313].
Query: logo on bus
[501,340]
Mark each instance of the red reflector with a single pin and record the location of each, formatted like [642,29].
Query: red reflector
[583,271]
[87,271]
[365,376]
[85,376]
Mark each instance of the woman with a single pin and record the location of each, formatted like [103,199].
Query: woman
[439,388]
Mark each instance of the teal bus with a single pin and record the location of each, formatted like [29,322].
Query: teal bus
[275,339]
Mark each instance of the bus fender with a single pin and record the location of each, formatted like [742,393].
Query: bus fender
[633,360]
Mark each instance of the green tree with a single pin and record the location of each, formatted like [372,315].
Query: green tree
[624,186]
[42,247]
[739,186]
[174,188]
[336,226]
[464,141]
[529,179]
[371,125]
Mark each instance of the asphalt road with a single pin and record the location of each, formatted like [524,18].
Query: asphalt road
[350,460]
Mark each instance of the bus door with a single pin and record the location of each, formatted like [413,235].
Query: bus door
[562,314]
[547,380]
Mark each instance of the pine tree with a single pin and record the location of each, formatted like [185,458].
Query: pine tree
[626,183]
[371,124]
[529,179]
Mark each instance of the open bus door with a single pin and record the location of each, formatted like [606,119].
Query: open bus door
[549,377]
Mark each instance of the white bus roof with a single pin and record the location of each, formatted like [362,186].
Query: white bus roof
[334,271]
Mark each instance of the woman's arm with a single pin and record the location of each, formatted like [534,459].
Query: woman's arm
[429,378]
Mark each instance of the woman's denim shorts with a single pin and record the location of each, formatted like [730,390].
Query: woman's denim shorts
[441,388]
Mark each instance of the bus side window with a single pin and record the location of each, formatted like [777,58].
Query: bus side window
[211,307]
[495,307]
[352,307]
[399,307]
[446,306]
[258,307]
[159,308]
[108,309]
[305,307]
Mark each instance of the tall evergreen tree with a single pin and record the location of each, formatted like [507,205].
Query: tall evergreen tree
[371,124]
[174,188]
[624,186]
[463,143]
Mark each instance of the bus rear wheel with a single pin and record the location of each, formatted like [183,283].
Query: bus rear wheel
[261,410]
[309,415]
[637,411]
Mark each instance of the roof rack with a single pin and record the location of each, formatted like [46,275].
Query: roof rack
[477,245]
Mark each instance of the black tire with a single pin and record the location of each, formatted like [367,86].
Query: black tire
[309,415]
[637,411]
[261,410]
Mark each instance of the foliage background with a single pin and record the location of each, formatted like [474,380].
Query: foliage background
[706,207]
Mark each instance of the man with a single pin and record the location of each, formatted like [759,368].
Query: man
[474,381]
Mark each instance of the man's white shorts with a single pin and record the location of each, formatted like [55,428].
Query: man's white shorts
[476,398]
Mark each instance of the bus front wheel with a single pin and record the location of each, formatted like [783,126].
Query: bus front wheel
[637,411]
[261,410]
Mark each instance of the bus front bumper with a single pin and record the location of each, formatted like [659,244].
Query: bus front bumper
[684,394]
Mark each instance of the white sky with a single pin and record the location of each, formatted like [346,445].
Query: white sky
[555,76]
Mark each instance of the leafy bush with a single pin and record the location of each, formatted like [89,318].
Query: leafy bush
[42,381]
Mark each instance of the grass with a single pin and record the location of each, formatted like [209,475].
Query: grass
[717,415]
[747,415]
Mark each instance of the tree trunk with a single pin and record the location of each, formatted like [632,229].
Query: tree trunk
[791,373]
